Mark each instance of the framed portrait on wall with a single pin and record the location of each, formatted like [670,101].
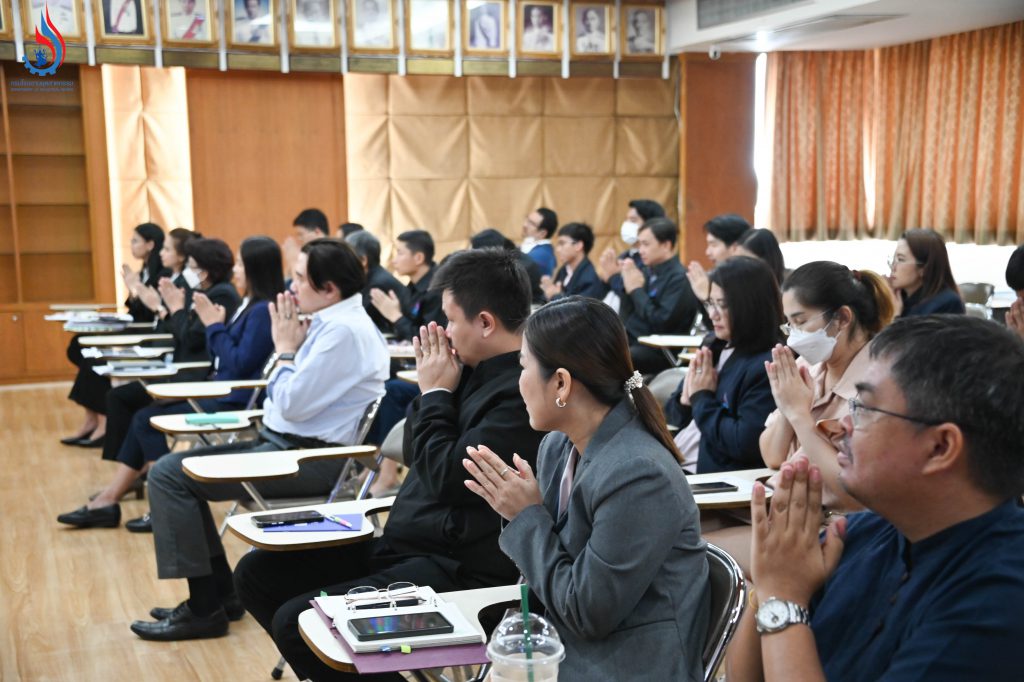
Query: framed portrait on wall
[123,21]
[428,26]
[313,26]
[641,31]
[371,26]
[483,27]
[253,23]
[539,29]
[189,22]
[593,31]
[66,16]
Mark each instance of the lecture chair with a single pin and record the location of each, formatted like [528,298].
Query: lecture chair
[728,600]
[666,382]
[976,292]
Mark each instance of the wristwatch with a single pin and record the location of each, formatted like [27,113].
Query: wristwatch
[775,615]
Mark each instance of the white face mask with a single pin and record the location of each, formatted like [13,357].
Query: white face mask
[814,347]
[628,231]
[191,278]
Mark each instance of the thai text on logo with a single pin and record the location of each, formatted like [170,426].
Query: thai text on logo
[47,36]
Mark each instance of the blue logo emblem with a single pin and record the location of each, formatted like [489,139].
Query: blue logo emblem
[49,36]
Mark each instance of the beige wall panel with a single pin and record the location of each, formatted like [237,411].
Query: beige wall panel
[426,96]
[126,144]
[429,146]
[579,146]
[505,96]
[663,190]
[438,206]
[370,204]
[366,93]
[122,88]
[646,146]
[644,96]
[577,97]
[367,146]
[503,204]
[587,199]
[505,146]
[166,199]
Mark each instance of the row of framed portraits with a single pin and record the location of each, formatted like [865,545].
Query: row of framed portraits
[372,25]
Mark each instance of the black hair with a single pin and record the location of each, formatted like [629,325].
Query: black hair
[981,392]
[727,228]
[261,258]
[488,279]
[586,338]
[213,256]
[829,286]
[179,238]
[578,232]
[366,246]
[663,229]
[929,250]
[763,244]
[490,238]
[152,232]
[312,219]
[548,222]
[753,301]
[1015,269]
[647,209]
[419,241]
[331,260]
[349,228]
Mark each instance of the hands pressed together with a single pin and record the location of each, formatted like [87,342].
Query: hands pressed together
[550,287]
[437,365]
[287,331]
[792,386]
[173,297]
[632,276]
[387,304]
[208,311]
[507,489]
[1015,317]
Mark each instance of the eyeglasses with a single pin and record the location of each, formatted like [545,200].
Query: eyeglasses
[395,594]
[788,328]
[720,307]
[857,410]
[898,260]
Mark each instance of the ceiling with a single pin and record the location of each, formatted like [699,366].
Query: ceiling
[838,24]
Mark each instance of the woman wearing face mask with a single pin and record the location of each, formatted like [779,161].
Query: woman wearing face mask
[90,389]
[831,315]
[722,403]
[920,276]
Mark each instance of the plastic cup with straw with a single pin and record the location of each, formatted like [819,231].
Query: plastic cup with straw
[524,599]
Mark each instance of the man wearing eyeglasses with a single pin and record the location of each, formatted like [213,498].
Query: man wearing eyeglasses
[929,583]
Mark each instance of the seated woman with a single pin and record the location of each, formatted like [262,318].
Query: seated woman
[722,403]
[607,534]
[90,389]
[832,313]
[920,275]
[761,243]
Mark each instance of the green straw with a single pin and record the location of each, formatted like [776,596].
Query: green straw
[524,591]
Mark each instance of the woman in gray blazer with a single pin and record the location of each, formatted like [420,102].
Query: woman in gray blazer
[607,534]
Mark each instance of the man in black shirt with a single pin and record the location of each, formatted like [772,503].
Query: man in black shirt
[367,247]
[413,258]
[438,532]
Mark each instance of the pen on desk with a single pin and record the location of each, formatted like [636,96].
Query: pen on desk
[338,519]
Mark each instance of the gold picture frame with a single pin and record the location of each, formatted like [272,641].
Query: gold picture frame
[371,27]
[427,32]
[6,25]
[485,28]
[313,26]
[539,29]
[641,29]
[592,34]
[193,24]
[66,15]
[253,25]
[123,21]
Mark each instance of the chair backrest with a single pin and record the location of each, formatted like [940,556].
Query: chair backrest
[367,421]
[728,599]
[391,448]
[666,382]
[976,292]
[982,312]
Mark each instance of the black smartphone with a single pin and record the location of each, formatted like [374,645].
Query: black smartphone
[402,625]
[713,487]
[286,518]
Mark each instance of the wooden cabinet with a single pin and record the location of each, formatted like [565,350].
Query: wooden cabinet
[12,343]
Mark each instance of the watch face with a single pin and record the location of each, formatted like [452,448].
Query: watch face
[773,614]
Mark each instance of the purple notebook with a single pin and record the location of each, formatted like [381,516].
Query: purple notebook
[419,659]
[325,526]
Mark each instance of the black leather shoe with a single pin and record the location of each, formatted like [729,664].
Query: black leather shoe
[93,443]
[143,524]
[183,624]
[102,517]
[232,607]
[74,440]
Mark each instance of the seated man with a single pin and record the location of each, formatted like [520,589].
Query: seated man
[577,275]
[413,258]
[438,532]
[1015,280]
[328,371]
[658,298]
[538,226]
[367,247]
[492,239]
[929,583]
[638,212]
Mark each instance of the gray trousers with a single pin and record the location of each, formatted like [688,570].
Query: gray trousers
[184,531]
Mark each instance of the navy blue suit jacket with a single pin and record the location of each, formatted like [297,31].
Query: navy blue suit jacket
[946,301]
[584,281]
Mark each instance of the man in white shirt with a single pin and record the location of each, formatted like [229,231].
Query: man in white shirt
[327,372]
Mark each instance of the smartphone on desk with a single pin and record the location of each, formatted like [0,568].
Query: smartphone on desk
[402,625]
[713,487]
[287,518]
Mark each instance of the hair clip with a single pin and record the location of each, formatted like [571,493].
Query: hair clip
[634,382]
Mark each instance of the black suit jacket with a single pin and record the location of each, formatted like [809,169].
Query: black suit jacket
[584,281]
[379,278]
[664,305]
[435,514]
[424,307]
[190,333]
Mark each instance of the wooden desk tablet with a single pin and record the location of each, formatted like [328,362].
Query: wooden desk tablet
[670,342]
[243,527]
[176,424]
[744,480]
[81,306]
[186,390]
[263,466]
[123,339]
[409,375]
[401,351]
[127,373]
[137,352]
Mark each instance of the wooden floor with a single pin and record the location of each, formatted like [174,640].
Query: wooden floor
[67,596]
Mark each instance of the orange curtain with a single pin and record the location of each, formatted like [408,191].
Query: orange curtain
[932,131]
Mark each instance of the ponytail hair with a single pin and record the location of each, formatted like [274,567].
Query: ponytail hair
[586,338]
[829,286]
